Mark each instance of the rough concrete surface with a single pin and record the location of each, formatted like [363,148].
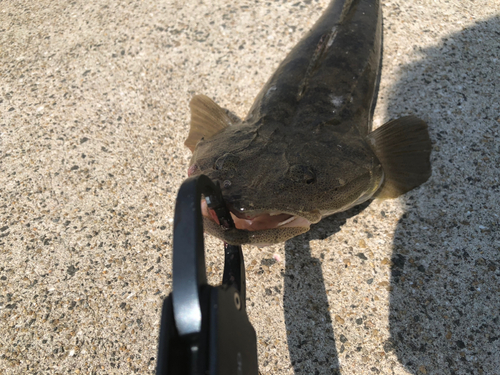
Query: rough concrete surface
[93,114]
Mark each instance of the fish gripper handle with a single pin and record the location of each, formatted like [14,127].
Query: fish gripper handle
[204,328]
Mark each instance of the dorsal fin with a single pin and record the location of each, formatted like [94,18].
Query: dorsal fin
[207,119]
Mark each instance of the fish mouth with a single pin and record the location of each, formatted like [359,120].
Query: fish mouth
[260,228]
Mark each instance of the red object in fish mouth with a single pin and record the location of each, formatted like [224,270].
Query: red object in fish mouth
[259,222]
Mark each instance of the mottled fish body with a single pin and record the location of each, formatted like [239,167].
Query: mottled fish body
[306,149]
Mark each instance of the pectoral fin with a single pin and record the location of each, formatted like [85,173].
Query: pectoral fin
[403,147]
[207,119]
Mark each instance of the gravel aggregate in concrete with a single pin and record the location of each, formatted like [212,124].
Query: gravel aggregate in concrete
[93,115]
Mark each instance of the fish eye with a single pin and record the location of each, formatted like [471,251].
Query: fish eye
[302,173]
[226,162]
[310,181]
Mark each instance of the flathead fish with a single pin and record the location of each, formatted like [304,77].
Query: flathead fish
[306,149]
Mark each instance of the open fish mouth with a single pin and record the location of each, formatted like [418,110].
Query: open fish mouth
[259,222]
[262,229]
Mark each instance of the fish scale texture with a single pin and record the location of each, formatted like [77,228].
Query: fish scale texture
[94,111]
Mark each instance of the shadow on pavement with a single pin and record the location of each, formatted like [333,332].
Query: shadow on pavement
[445,302]
[311,340]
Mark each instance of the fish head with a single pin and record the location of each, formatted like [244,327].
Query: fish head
[276,184]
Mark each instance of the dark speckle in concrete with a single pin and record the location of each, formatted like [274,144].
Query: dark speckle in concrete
[94,112]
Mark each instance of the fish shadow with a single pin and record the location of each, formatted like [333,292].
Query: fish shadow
[310,336]
[445,278]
